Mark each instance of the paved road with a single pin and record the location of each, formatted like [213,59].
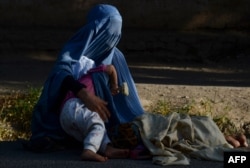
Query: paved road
[17,71]
[12,155]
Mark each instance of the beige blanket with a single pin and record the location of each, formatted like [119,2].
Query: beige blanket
[173,139]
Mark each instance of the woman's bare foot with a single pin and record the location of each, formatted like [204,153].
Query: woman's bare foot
[115,153]
[92,156]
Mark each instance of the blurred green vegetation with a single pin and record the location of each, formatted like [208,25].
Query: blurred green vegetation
[16,113]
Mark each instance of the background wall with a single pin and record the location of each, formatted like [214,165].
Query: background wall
[193,30]
[167,14]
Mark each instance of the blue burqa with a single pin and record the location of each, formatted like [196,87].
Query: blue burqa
[97,40]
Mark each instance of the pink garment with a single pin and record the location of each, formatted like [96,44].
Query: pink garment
[87,81]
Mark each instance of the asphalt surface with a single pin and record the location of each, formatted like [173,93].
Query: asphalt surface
[12,155]
[22,70]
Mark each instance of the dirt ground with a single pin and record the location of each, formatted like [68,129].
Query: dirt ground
[231,102]
[214,90]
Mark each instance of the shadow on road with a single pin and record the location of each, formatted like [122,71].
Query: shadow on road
[31,69]
[12,155]
[190,75]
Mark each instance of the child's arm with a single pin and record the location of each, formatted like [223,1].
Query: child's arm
[111,71]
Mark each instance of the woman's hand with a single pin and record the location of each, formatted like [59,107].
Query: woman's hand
[94,103]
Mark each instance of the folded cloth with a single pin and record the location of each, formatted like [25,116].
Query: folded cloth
[140,152]
[174,138]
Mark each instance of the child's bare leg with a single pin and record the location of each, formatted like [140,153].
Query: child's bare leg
[92,156]
[115,153]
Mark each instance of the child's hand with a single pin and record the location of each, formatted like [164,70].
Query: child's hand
[111,71]
[114,90]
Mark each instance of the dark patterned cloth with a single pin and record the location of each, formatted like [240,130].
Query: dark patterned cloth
[125,135]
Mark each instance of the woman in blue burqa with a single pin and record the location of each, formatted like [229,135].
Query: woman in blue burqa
[97,40]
